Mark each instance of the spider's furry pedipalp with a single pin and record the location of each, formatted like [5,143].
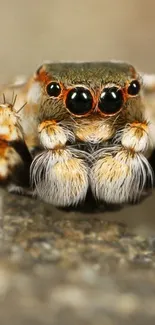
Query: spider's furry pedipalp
[54,135]
[60,176]
[120,175]
[135,136]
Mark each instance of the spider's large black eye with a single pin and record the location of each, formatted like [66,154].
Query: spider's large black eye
[53,89]
[111,100]
[134,88]
[79,101]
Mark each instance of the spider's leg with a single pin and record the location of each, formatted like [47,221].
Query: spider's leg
[16,93]
[21,174]
[15,158]
[18,147]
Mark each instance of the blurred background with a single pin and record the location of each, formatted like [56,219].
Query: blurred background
[32,31]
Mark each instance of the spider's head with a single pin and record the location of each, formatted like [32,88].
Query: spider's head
[85,90]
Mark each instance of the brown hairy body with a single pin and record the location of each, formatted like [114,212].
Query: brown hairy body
[84,126]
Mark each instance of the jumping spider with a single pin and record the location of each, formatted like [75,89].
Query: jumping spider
[79,126]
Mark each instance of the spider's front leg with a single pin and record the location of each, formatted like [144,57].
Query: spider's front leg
[59,174]
[15,158]
[121,172]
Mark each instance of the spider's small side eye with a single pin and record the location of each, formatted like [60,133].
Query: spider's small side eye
[53,89]
[134,88]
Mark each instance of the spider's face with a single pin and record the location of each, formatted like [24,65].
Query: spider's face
[95,97]
[84,89]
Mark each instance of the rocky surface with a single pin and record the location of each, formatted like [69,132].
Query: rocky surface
[59,267]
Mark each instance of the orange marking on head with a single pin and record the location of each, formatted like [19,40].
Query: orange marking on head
[42,76]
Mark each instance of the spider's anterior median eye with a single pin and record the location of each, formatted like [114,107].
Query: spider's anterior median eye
[79,101]
[134,88]
[111,100]
[53,89]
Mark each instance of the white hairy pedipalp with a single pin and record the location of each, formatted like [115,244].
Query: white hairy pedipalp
[120,176]
[53,135]
[60,176]
[135,136]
